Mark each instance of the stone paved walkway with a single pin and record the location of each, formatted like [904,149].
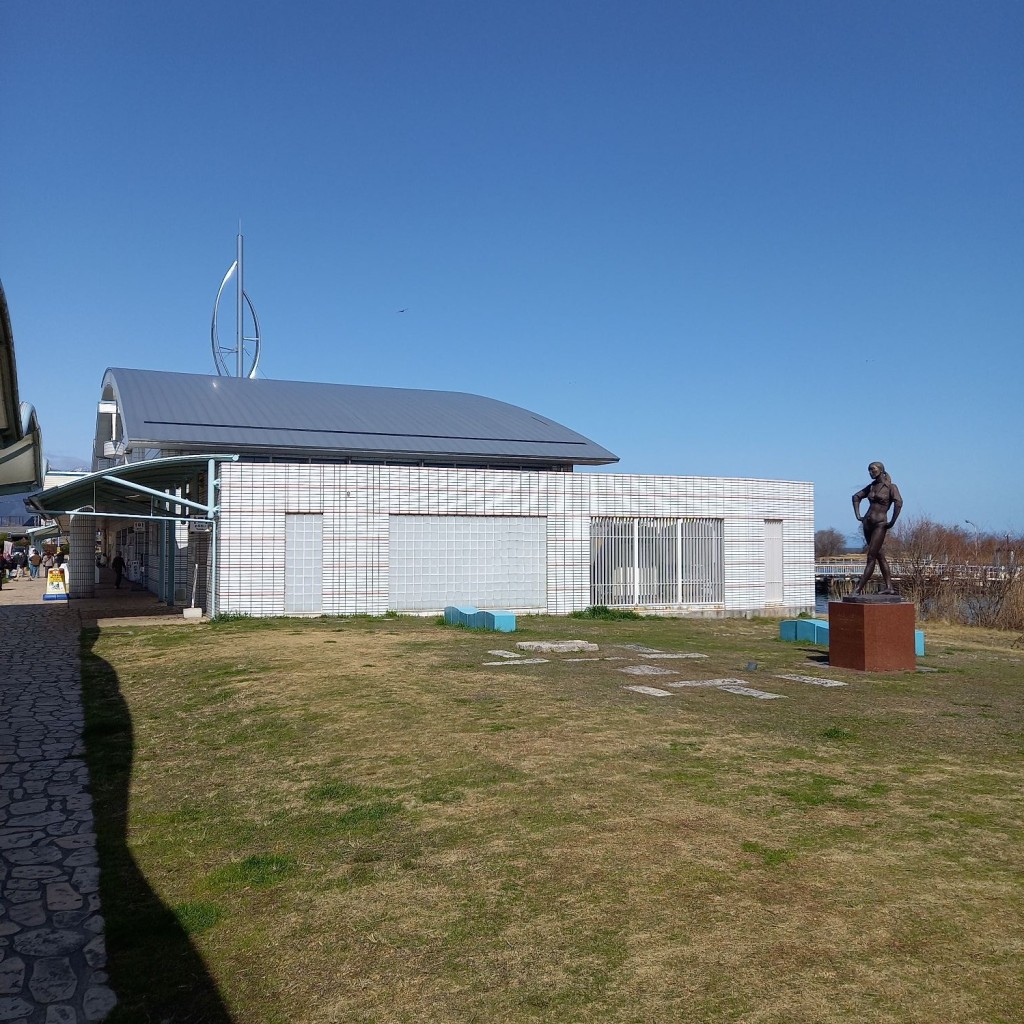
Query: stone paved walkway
[52,956]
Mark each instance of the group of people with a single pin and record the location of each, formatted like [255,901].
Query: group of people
[28,563]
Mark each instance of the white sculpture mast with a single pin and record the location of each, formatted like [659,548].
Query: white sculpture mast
[245,359]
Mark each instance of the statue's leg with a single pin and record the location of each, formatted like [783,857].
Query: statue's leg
[874,536]
[883,565]
[869,571]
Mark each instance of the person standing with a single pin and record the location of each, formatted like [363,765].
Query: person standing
[118,566]
[34,562]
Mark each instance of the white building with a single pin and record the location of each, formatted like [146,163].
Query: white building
[280,497]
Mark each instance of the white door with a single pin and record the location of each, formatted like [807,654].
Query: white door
[303,564]
[773,561]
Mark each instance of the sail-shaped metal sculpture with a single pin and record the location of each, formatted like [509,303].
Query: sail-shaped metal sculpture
[245,353]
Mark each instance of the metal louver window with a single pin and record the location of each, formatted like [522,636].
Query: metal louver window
[645,561]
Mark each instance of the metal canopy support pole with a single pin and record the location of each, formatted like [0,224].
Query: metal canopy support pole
[162,564]
[211,485]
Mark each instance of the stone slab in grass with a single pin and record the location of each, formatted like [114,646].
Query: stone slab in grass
[814,680]
[749,691]
[519,661]
[505,654]
[738,686]
[556,646]
[650,691]
[646,670]
[662,656]
[695,684]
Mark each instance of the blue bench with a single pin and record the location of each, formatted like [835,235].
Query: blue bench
[474,618]
[815,631]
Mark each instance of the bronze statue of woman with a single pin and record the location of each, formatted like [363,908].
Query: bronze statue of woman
[882,494]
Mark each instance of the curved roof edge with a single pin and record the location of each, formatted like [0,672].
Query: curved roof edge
[170,411]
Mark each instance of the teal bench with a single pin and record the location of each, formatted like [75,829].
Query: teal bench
[474,618]
[815,631]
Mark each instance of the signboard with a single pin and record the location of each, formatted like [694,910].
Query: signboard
[56,590]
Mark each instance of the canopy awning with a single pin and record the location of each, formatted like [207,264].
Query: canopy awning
[155,489]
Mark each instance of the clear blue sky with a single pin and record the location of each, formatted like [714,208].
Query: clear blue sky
[748,238]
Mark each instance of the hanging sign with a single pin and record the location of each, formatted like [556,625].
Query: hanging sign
[55,586]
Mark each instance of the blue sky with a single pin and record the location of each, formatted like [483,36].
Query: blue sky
[749,238]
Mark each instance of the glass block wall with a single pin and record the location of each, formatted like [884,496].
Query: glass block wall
[489,561]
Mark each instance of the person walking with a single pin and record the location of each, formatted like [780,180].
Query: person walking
[34,562]
[118,566]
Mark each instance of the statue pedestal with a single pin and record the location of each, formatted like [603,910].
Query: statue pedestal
[871,636]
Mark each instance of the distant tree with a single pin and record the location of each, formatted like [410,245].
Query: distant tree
[828,543]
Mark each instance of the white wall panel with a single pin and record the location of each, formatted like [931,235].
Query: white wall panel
[358,504]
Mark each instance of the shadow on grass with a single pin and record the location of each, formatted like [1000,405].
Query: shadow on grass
[154,968]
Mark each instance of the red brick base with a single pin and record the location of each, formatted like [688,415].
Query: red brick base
[871,637]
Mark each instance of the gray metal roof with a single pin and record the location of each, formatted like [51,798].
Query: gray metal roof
[195,412]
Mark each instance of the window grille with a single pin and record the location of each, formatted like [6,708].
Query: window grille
[636,561]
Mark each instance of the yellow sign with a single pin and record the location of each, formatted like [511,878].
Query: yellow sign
[55,587]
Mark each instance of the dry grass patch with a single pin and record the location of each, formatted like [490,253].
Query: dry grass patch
[356,820]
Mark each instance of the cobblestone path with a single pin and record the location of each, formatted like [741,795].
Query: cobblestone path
[52,956]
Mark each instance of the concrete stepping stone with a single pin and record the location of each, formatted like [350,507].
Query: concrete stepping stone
[650,691]
[749,691]
[813,680]
[520,661]
[555,646]
[668,655]
[738,686]
[654,653]
[699,683]
[647,670]
[505,654]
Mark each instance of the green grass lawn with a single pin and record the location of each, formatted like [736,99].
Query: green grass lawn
[356,820]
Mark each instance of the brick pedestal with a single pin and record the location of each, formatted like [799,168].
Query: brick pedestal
[872,637]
